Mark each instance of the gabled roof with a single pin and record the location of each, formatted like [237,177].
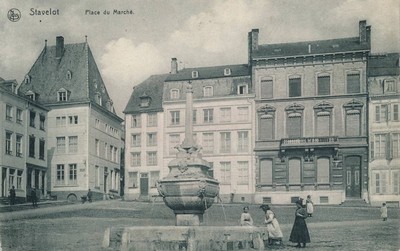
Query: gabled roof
[310,48]
[383,65]
[210,72]
[152,88]
[50,73]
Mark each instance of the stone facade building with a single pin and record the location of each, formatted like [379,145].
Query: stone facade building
[311,118]
[222,101]
[23,138]
[384,128]
[84,132]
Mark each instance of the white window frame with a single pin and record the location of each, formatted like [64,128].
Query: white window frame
[208,91]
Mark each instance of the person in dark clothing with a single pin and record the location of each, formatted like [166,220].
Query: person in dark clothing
[299,232]
[89,196]
[34,197]
[12,195]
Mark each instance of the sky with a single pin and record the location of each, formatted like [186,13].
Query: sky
[128,48]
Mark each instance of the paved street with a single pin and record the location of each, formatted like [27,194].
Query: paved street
[81,226]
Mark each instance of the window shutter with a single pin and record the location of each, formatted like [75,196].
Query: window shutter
[294,125]
[323,124]
[388,146]
[324,85]
[377,113]
[353,123]
[353,83]
[294,87]
[266,127]
[266,171]
[266,89]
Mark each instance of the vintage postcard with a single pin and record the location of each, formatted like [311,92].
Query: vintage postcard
[199,125]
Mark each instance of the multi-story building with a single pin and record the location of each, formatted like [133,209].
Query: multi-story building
[222,123]
[84,132]
[311,126]
[384,128]
[144,144]
[23,150]
[222,118]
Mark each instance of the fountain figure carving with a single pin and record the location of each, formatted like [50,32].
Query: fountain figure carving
[188,189]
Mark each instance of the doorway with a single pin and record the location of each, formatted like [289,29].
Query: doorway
[353,176]
[144,184]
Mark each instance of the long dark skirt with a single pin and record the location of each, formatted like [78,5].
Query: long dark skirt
[299,232]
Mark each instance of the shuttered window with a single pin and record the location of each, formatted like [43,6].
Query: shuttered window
[293,127]
[324,85]
[266,171]
[294,87]
[353,123]
[323,124]
[266,127]
[266,88]
[323,170]
[294,171]
[353,83]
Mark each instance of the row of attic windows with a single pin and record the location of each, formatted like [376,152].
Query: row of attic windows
[208,91]
[28,78]
[227,72]
[63,94]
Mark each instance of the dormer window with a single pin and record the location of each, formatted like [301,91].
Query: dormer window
[31,95]
[98,99]
[62,95]
[227,72]
[145,100]
[389,86]
[174,94]
[69,75]
[242,89]
[110,105]
[195,74]
[208,91]
[27,79]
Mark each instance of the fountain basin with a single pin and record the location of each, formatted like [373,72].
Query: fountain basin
[188,238]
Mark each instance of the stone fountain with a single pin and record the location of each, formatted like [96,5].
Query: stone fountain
[188,190]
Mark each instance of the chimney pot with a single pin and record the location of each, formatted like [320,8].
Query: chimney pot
[59,46]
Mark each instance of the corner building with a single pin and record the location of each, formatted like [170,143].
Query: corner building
[23,137]
[84,132]
[384,128]
[311,119]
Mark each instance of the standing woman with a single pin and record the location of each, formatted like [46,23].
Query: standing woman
[299,232]
[274,230]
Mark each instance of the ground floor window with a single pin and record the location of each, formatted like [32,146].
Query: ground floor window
[379,182]
[133,180]
[265,176]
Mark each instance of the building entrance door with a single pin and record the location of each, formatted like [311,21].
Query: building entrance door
[144,184]
[353,177]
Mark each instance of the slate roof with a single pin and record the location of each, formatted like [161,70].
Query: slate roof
[302,48]
[49,75]
[383,65]
[210,72]
[151,87]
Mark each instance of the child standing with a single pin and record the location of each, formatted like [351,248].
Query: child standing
[384,212]
[309,206]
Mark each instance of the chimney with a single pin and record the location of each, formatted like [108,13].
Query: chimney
[59,46]
[253,42]
[362,29]
[368,35]
[174,66]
